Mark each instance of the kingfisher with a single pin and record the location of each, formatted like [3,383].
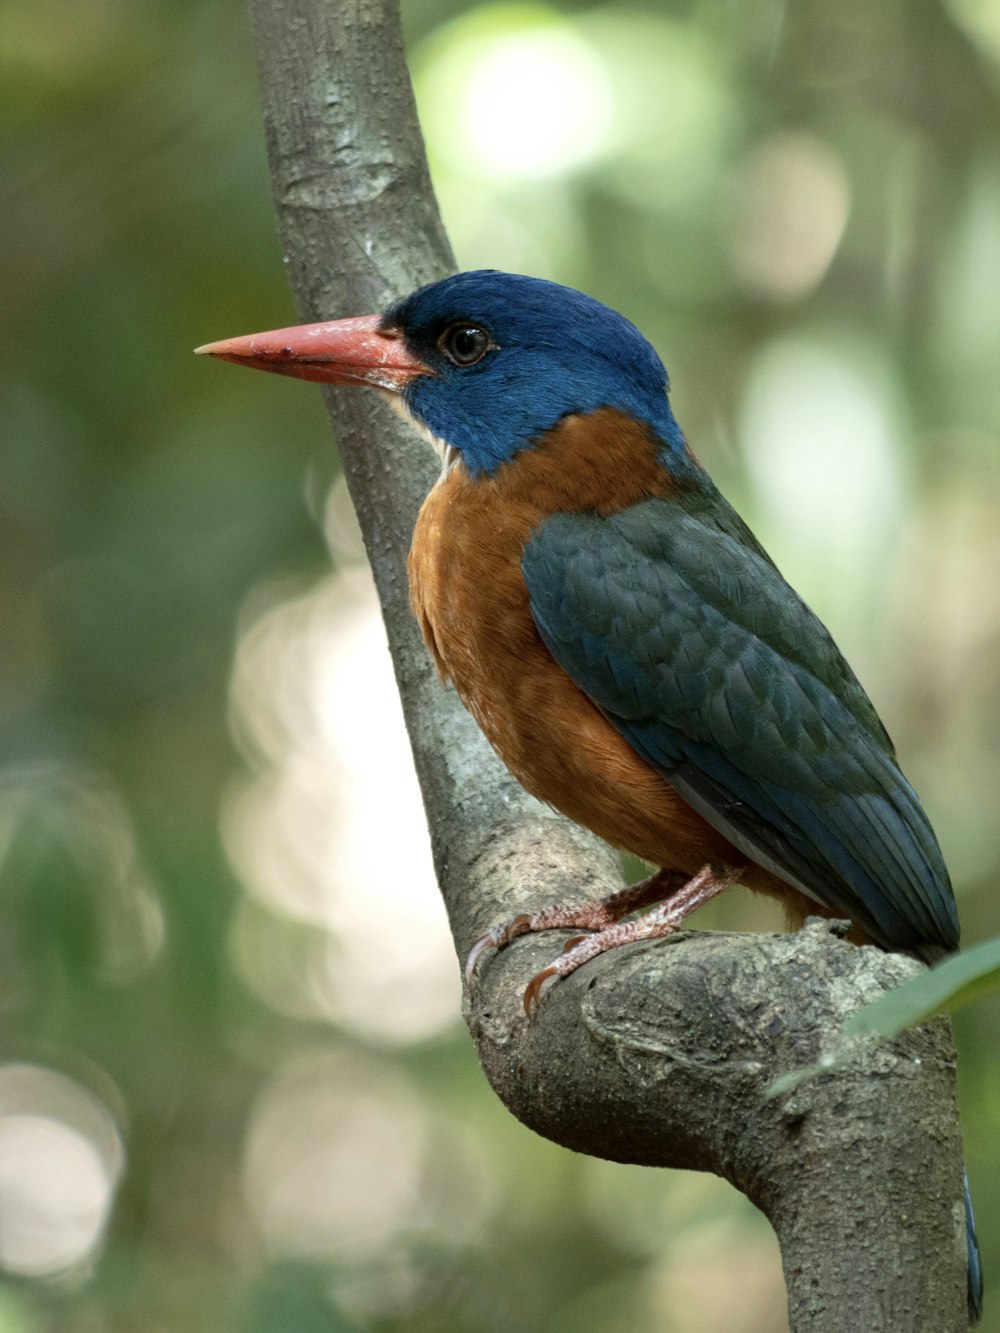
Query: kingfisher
[626,644]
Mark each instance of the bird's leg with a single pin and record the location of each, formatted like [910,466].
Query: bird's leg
[597,915]
[663,920]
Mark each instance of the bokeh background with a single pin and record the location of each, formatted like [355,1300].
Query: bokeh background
[230,1097]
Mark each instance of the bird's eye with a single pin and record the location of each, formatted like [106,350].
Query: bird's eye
[464,344]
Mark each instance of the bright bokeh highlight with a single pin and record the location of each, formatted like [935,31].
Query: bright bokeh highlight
[60,1160]
[790,202]
[820,427]
[329,833]
[517,92]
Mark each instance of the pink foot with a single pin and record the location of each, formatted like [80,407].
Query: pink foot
[663,920]
[597,915]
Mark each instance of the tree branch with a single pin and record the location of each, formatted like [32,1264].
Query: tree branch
[659,1054]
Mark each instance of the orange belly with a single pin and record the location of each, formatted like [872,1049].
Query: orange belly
[469,596]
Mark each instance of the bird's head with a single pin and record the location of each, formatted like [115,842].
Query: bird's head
[485,362]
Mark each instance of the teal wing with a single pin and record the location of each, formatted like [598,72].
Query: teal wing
[679,628]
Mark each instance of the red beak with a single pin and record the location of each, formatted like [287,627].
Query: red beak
[348,351]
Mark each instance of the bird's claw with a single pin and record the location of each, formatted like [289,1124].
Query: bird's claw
[576,951]
[496,938]
[502,935]
[535,987]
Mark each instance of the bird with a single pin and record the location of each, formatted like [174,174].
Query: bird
[620,635]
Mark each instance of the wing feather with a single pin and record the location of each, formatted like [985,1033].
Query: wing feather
[677,625]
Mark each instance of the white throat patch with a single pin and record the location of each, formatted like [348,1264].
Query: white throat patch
[447,453]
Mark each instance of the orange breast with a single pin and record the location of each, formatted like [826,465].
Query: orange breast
[470,599]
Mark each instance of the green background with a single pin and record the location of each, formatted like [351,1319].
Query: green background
[235,1093]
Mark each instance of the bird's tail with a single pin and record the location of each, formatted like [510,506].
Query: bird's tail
[975,1289]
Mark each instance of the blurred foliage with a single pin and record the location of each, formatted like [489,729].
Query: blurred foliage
[231,1096]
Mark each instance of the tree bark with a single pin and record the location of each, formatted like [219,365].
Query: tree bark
[661,1054]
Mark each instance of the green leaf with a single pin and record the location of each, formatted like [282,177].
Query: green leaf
[790,1081]
[952,983]
[949,985]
